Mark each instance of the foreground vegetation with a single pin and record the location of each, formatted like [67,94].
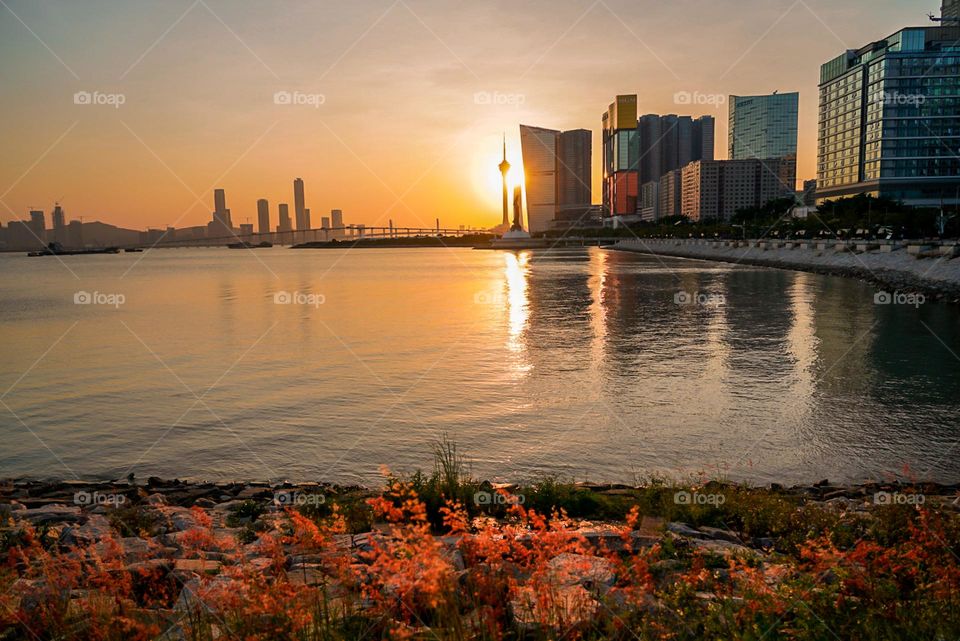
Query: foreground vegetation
[442,556]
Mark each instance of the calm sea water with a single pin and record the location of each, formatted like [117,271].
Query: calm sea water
[577,363]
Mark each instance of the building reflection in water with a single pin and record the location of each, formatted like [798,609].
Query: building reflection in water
[516,273]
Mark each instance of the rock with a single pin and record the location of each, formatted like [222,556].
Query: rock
[307,576]
[723,548]
[561,609]
[155,499]
[96,528]
[652,525]
[685,530]
[721,535]
[55,513]
[592,572]
[200,566]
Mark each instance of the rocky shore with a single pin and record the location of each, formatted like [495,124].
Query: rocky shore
[202,542]
[918,267]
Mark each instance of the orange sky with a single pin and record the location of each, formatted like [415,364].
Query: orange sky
[394,120]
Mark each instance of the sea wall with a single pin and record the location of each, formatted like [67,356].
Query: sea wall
[932,268]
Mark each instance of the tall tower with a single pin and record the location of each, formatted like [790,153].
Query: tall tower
[263,215]
[298,206]
[504,169]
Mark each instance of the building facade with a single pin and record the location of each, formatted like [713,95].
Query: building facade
[284,223]
[556,170]
[638,152]
[763,126]
[539,149]
[263,216]
[621,157]
[717,189]
[889,121]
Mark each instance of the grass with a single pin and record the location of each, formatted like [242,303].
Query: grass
[886,573]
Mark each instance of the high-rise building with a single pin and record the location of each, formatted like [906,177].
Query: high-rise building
[38,225]
[717,189]
[556,168]
[638,151]
[763,126]
[890,118]
[221,226]
[59,221]
[766,127]
[325,222]
[950,13]
[284,224]
[298,204]
[263,216]
[621,176]
[336,218]
[539,149]
[670,194]
[574,192]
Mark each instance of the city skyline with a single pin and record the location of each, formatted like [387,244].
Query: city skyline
[369,147]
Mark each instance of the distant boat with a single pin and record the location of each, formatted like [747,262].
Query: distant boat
[245,245]
[56,249]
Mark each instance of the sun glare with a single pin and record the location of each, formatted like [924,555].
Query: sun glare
[487,182]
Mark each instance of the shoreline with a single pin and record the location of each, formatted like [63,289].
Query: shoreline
[914,267]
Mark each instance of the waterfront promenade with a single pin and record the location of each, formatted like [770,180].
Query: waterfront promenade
[932,267]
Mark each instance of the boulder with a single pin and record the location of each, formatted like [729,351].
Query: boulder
[592,572]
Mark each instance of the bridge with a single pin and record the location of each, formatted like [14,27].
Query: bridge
[347,234]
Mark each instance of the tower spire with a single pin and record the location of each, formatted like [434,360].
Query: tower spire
[504,167]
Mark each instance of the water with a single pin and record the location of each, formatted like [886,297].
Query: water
[577,363]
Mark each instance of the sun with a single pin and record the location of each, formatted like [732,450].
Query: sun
[486,179]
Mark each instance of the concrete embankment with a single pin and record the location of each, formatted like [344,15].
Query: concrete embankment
[932,268]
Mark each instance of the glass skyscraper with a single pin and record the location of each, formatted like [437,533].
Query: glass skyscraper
[890,118]
[763,126]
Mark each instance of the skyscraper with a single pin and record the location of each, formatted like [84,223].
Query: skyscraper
[556,169]
[669,142]
[621,176]
[298,205]
[888,118]
[221,226]
[639,151]
[58,219]
[38,225]
[950,13]
[763,126]
[574,193]
[336,218]
[284,218]
[539,149]
[263,216]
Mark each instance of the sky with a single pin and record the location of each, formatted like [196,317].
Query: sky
[132,111]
